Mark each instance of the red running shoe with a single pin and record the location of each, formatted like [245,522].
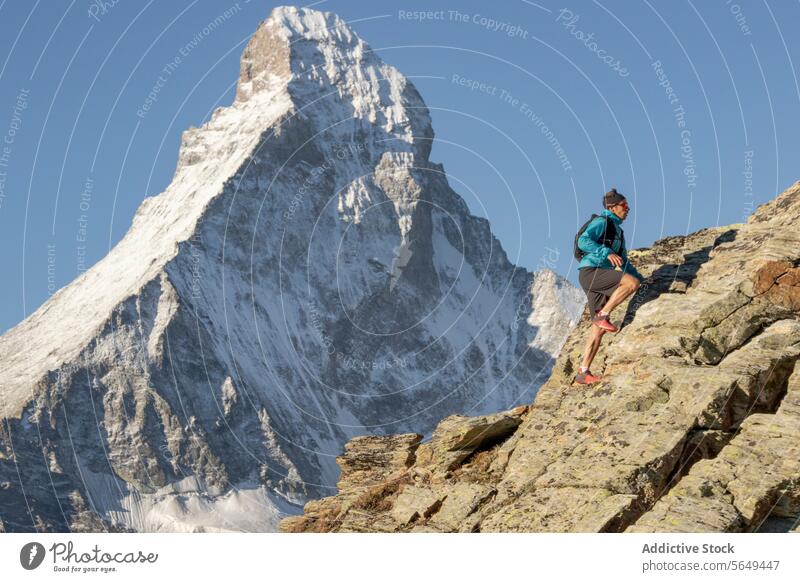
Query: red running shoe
[587,378]
[602,321]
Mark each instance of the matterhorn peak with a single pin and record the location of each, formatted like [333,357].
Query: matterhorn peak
[288,31]
[331,75]
[307,276]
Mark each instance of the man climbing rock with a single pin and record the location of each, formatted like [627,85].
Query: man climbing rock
[605,273]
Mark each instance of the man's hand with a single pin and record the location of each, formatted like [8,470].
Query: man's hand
[615,259]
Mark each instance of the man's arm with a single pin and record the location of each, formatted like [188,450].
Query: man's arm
[589,243]
[627,267]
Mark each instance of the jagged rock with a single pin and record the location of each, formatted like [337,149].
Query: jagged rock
[359,522]
[369,460]
[460,501]
[371,468]
[695,424]
[415,502]
[754,477]
[562,509]
[702,444]
[457,437]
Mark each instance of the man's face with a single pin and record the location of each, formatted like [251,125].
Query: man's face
[621,209]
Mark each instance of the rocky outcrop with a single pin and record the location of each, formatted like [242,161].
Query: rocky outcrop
[695,426]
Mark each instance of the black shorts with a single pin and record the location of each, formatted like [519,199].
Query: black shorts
[599,284]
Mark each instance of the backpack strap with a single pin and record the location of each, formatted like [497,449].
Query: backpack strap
[609,233]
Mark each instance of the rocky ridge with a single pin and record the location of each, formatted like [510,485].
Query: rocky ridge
[695,428]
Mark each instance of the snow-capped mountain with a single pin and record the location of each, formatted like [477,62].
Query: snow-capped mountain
[308,276]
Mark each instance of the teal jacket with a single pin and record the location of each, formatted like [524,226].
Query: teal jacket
[597,253]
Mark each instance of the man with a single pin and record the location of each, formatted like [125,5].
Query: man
[605,274]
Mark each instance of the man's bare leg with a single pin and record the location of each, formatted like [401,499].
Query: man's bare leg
[627,287]
[592,345]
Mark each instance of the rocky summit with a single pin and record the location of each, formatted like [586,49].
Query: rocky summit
[307,277]
[694,428]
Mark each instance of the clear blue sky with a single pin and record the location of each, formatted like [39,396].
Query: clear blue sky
[75,73]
